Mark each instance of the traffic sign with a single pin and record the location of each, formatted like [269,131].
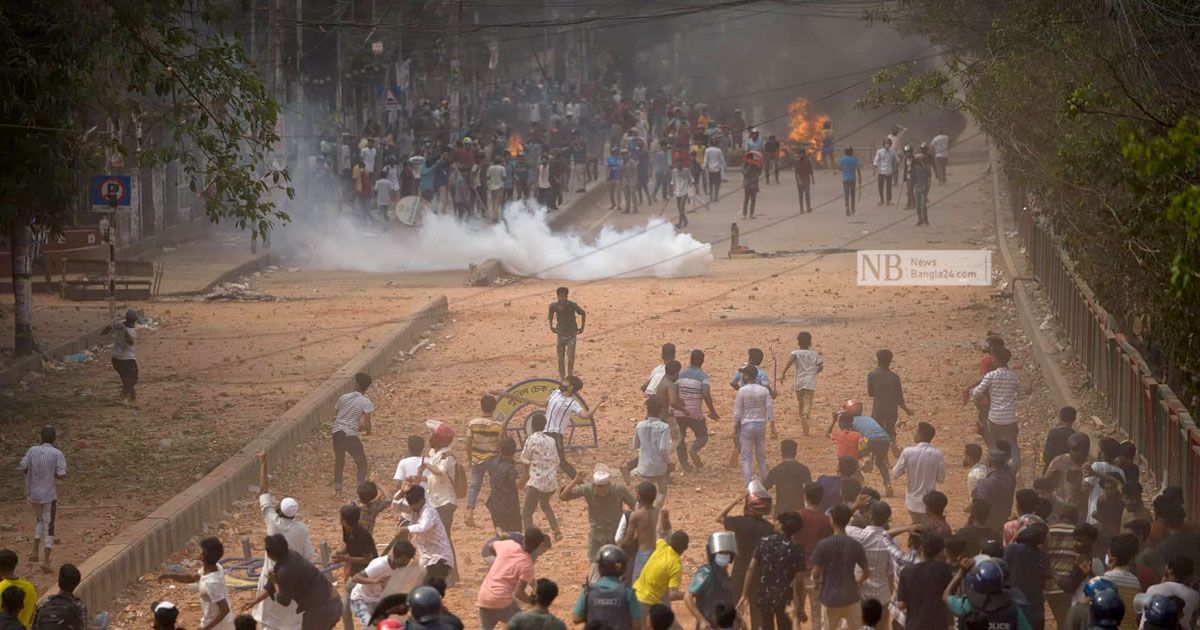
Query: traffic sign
[111,190]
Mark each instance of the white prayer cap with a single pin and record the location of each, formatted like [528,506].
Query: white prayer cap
[601,475]
[289,507]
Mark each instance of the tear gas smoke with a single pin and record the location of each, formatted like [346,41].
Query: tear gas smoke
[524,243]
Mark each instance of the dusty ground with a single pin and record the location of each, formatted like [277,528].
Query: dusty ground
[499,336]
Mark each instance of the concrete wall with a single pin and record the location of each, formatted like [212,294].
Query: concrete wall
[144,545]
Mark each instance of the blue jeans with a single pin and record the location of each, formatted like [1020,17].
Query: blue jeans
[362,611]
[639,562]
[477,473]
[753,441]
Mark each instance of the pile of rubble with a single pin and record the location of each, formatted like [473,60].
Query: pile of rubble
[236,292]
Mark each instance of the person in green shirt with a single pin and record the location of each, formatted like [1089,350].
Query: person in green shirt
[562,323]
[605,503]
[539,617]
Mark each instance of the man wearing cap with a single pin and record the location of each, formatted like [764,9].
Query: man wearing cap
[280,520]
[124,361]
[997,489]
[605,504]
[441,465]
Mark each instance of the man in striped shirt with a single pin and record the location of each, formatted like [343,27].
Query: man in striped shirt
[561,407]
[695,391]
[353,417]
[1002,386]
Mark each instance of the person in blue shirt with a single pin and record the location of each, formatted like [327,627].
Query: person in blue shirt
[851,174]
[613,163]
[764,378]
[878,440]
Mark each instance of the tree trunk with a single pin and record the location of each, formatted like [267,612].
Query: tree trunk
[21,242]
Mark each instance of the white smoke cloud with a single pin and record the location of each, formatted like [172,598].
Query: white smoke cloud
[524,243]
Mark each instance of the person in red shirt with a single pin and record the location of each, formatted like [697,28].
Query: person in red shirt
[846,439]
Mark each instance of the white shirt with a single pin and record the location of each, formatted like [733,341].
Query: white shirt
[1191,599]
[753,404]
[656,377]
[441,487]
[681,182]
[885,160]
[408,467]
[43,464]
[428,533]
[940,145]
[372,593]
[495,177]
[807,362]
[1097,491]
[974,476]
[879,560]
[383,191]
[368,158]
[714,160]
[350,409]
[295,532]
[560,408]
[212,592]
[541,455]
[925,468]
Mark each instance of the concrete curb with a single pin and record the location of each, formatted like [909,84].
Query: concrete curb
[565,216]
[1060,388]
[258,263]
[142,546]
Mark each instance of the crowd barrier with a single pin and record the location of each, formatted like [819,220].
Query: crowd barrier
[1146,410]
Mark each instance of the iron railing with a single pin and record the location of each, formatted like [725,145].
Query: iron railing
[1146,410]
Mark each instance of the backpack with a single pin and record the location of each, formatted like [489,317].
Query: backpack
[60,612]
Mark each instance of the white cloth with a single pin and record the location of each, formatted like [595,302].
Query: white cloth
[441,487]
[268,612]
[807,363]
[428,533]
[368,158]
[212,592]
[885,161]
[1097,491]
[714,160]
[974,476]
[384,188]
[925,468]
[879,560]
[541,455]
[1191,600]
[753,404]
[940,145]
[656,377]
[409,467]
[681,182]
[495,177]
[559,410]
[372,593]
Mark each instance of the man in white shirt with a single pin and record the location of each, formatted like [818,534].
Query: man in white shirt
[427,533]
[561,407]
[43,465]
[381,574]
[1174,584]
[650,387]
[925,468]
[940,145]
[368,154]
[384,187]
[411,467]
[752,411]
[495,186]
[885,172]
[215,611]
[281,519]
[808,364]
[541,459]
[714,165]
[880,583]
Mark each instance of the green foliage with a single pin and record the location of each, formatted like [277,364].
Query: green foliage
[1098,120]
[180,89]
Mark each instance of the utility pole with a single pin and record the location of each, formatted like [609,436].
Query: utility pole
[300,55]
[455,68]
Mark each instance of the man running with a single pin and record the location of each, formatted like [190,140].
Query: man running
[561,316]
[561,407]
[694,387]
[43,466]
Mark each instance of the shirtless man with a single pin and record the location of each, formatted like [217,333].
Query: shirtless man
[668,397]
[639,530]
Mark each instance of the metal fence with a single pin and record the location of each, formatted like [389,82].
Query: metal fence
[1147,411]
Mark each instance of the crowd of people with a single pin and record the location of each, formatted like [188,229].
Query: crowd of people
[1077,543]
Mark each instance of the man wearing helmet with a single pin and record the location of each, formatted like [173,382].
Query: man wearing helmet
[425,605]
[608,599]
[711,585]
[986,596]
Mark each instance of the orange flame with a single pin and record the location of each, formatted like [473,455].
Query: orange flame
[806,129]
[514,144]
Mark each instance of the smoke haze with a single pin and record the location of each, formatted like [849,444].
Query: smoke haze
[524,243]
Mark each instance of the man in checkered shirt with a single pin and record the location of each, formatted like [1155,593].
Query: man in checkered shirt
[43,466]
[1002,386]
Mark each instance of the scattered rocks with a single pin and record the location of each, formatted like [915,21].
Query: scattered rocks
[236,292]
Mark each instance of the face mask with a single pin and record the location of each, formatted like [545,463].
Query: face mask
[722,559]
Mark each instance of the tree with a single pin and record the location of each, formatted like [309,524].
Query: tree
[1094,109]
[161,68]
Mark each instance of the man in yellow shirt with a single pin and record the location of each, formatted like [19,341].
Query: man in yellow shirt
[662,576]
[483,446]
[8,577]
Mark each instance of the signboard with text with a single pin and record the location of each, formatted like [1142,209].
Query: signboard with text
[929,268]
[109,192]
